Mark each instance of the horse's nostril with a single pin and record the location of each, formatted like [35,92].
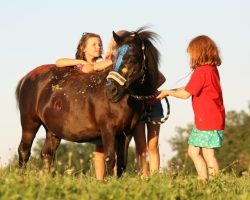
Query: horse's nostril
[114,90]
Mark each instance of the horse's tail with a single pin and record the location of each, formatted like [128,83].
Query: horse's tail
[18,89]
[32,74]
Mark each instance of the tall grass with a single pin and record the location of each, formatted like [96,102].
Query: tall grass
[33,183]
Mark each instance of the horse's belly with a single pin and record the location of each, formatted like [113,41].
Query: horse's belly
[79,136]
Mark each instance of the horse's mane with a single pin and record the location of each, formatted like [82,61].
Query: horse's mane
[151,52]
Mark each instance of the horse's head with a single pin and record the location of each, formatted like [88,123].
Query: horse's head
[135,65]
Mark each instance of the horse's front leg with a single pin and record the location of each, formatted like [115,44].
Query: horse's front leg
[122,144]
[108,141]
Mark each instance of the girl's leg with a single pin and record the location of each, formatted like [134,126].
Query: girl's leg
[99,162]
[211,161]
[199,162]
[153,147]
[141,148]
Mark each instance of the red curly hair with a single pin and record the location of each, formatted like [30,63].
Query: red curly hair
[203,51]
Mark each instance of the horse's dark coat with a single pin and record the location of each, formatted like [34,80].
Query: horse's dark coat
[73,106]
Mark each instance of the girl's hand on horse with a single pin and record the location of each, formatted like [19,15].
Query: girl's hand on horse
[163,93]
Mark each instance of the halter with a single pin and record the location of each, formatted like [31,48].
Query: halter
[118,77]
[123,50]
[123,81]
[114,74]
[165,118]
[142,98]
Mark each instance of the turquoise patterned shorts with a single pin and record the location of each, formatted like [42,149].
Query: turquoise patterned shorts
[206,139]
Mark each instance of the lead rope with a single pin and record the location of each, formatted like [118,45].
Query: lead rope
[165,118]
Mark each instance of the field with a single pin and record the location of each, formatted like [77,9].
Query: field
[36,184]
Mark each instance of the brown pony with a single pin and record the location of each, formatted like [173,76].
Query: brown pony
[82,107]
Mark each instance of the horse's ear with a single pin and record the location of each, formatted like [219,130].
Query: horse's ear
[117,38]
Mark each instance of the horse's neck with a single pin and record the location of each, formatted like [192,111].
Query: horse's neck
[142,89]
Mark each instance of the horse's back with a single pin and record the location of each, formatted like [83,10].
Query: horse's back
[49,79]
[62,99]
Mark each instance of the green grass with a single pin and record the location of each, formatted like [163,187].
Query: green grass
[35,184]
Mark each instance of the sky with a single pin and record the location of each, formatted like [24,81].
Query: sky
[39,32]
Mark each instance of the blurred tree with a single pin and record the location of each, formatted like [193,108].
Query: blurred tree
[179,143]
[236,145]
[75,156]
[69,155]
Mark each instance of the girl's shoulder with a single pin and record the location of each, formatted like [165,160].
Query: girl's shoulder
[206,68]
[207,71]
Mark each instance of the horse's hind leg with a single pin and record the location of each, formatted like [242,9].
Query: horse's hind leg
[49,149]
[29,131]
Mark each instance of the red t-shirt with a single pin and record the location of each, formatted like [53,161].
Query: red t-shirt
[207,101]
